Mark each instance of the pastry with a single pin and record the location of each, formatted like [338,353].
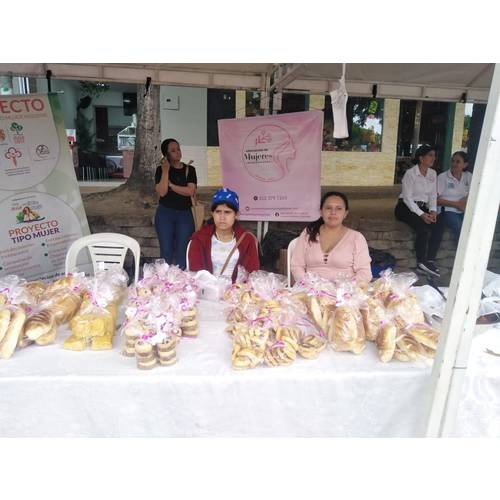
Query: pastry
[4,322]
[386,342]
[346,332]
[424,334]
[74,343]
[39,324]
[47,338]
[101,343]
[14,331]
[373,315]
[146,364]
[35,288]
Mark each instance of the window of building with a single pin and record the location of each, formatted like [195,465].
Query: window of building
[469,107]
[220,104]
[252,104]
[364,122]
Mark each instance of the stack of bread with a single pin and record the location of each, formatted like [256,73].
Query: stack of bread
[160,309]
[31,312]
[58,303]
[95,323]
[334,308]
[385,312]
[402,333]
[268,324]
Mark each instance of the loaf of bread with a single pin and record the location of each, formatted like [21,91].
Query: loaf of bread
[373,314]
[386,342]
[14,331]
[4,321]
[39,324]
[346,331]
[47,338]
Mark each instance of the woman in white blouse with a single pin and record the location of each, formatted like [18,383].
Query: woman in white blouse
[417,207]
[453,189]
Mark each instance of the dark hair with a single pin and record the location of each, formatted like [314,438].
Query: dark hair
[422,151]
[462,154]
[164,146]
[228,205]
[313,228]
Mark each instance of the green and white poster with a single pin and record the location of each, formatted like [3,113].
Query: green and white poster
[41,210]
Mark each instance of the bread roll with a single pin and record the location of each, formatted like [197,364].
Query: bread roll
[346,332]
[424,334]
[39,324]
[373,315]
[15,330]
[4,322]
[386,342]
[408,347]
[35,288]
[47,338]
[65,306]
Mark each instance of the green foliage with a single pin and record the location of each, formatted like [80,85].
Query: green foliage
[93,89]
[84,135]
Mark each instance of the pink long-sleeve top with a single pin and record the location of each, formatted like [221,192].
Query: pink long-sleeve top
[349,257]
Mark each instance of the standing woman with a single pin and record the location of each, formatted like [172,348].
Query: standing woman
[330,249]
[417,207]
[175,184]
[453,189]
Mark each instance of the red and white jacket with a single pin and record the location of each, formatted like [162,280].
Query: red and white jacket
[200,250]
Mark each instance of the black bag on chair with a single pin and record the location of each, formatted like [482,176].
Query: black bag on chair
[381,261]
[273,242]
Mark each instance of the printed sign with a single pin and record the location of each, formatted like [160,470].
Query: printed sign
[274,164]
[41,211]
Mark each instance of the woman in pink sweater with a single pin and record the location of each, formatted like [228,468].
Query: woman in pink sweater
[330,249]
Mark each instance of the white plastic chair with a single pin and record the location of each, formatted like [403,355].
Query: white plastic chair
[108,248]
[289,251]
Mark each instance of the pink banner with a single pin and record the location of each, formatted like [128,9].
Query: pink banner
[273,162]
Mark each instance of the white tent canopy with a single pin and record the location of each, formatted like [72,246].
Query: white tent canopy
[442,82]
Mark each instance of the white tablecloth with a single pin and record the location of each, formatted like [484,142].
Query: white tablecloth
[51,392]
[479,409]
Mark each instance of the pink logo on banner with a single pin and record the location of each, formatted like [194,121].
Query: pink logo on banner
[266,152]
[273,162]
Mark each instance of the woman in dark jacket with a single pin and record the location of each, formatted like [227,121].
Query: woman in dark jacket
[224,245]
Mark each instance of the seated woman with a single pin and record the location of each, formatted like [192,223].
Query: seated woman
[330,249]
[453,189]
[224,245]
[417,207]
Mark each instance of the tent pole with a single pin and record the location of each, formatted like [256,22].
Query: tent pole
[468,274]
[265,104]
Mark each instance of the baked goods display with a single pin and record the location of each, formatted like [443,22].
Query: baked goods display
[161,308]
[34,311]
[268,324]
[385,312]
[95,323]
[402,333]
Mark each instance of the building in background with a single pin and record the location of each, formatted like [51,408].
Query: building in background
[384,133]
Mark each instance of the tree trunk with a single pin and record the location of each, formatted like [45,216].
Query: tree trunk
[147,141]
[139,190]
